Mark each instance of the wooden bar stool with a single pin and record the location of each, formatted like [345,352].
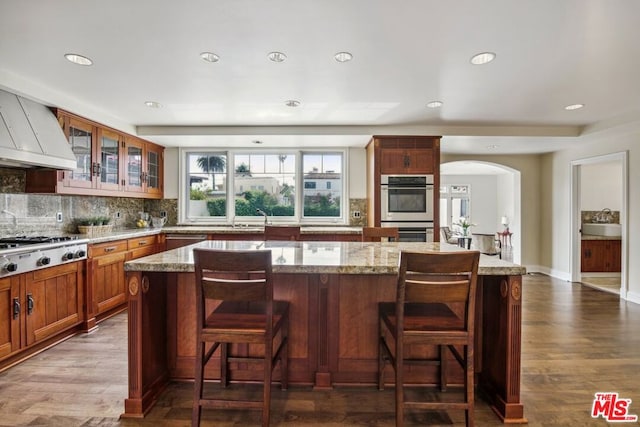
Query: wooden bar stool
[430,285]
[241,281]
[377,234]
[281,232]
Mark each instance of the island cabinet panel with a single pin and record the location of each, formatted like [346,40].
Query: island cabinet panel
[181,324]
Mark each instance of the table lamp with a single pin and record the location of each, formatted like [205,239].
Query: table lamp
[505,221]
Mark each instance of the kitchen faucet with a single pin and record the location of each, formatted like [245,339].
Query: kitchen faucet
[263,213]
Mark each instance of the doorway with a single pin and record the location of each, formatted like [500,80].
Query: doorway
[489,194]
[585,210]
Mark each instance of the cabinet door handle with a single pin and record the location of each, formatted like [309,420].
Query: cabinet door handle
[30,303]
[142,242]
[110,249]
[16,308]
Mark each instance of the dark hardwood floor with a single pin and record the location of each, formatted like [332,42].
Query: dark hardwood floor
[576,341]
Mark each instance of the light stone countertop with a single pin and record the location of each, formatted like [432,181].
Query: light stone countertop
[318,257]
[130,233]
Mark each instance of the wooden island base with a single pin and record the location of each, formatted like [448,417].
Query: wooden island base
[333,335]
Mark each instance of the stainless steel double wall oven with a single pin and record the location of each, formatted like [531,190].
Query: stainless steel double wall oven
[406,202]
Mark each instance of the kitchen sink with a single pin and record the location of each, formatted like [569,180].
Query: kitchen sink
[613,230]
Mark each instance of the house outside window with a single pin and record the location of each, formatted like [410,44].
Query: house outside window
[322,168]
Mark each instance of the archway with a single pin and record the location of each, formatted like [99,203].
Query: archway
[493,192]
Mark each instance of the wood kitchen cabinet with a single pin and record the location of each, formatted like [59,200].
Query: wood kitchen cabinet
[108,163]
[406,161]
[54,300]
[401,155]
[10,315]
[601,256]
[106,288]
[37,307]
[142,166]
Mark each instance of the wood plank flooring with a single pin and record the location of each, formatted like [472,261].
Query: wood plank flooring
[576,341]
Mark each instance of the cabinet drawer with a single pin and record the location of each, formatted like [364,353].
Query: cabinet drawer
[107,248]
[141,242]
[141,251]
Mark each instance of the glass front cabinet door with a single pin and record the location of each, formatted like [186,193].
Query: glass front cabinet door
[81,138]
[143,167]
[108,160]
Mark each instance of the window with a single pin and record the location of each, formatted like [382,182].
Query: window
[207,177]
[232,186]
[325,167]
[271,179]
[454,204]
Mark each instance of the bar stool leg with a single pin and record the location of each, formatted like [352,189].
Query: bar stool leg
[198,379]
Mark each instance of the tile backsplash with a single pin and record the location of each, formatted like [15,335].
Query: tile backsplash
[23,213]
[37,213]
[590,216]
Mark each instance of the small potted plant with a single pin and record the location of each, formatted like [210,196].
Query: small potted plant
[465,224]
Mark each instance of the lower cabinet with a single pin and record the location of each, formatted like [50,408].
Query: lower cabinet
[106,290]
[11,318]
[39,305]
[106,286]
[601,256]
[54,300]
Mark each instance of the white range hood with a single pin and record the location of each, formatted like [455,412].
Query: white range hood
[30,135]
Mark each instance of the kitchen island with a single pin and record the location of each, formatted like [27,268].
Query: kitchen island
[333,289]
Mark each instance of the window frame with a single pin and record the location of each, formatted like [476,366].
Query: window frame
[230,219]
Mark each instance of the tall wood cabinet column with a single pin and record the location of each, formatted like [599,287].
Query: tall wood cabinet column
[402,155]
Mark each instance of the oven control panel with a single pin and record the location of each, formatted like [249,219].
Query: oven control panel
[37,257]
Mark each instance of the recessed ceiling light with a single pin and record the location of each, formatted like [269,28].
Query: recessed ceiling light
[152,104]
[292,103]
[343,56]
[78,59]
[435,104]
[483,58]
[574,107]
[277,56]
[209,57]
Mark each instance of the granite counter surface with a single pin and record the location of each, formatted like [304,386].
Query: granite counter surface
[318,257]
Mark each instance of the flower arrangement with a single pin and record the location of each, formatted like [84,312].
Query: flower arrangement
[465,224]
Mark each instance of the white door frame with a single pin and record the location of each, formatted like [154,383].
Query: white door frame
[575,252]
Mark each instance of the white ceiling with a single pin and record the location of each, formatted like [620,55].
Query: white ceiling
[406,53]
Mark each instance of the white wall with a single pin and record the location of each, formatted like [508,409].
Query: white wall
[483,192]
[555,204]
[601,186]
